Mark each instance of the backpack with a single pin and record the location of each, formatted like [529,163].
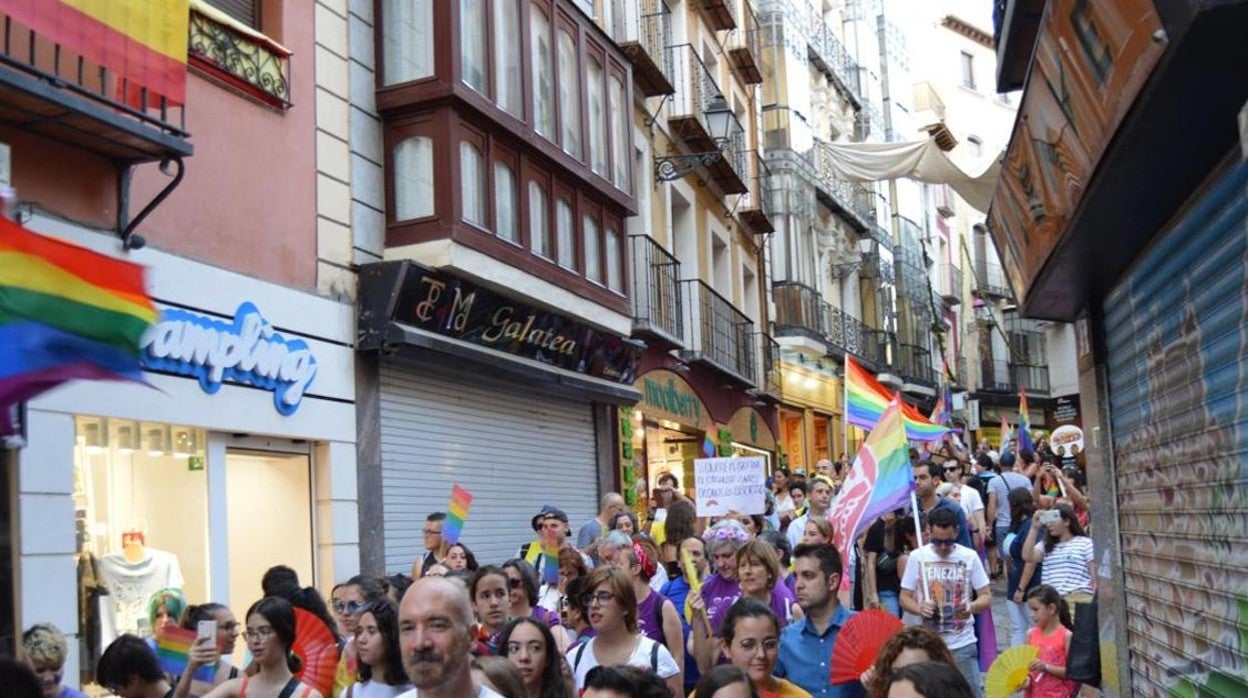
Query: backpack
[980,484]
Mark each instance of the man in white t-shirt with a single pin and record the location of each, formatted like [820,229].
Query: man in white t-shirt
[819,500]
[972,503]
[937,585]
[435,634]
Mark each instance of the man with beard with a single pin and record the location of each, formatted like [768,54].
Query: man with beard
[435,634]
[806,646]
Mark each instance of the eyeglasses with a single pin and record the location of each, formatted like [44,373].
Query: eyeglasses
[514,583]
[433,532]
[230,627]
[943,542]
[750,646]
[602,598]
[348,607]
[261,633]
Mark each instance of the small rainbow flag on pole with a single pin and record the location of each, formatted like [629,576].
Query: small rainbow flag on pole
[456,514]
[66,312]
[1024,424]
[866,400]
[550,559]
[173,648]
[880,480]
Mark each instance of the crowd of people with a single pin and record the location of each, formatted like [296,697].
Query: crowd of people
[665,604]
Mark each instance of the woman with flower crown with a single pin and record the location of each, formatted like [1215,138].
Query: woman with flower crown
[719,591]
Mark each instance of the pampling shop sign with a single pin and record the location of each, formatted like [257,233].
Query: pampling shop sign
[245,350]
[722,485]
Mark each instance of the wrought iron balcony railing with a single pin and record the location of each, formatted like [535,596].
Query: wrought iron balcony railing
[915,364]
[758,210]
[850,197]
[990,280]
[656,291]
[244,59]
[771,377]
[643,30]
[801,312]
[828,54]
[718,332]
[695,88]
[949,285]
[743,48]
[721,15]
[1009,377]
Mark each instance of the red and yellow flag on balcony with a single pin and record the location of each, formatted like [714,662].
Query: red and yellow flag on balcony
[142,41]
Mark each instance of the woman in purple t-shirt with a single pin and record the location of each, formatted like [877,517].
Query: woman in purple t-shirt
[719,591]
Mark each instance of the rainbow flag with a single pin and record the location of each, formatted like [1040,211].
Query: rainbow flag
[456,514]
[65,312]
[173,648]
[708,446]
[143,41]
[550,560]
[1024,424]
[880,480]
[866,400]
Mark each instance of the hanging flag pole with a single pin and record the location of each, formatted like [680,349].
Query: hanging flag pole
[845,411]
[918,523]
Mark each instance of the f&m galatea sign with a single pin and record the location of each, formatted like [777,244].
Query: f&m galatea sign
[460,309]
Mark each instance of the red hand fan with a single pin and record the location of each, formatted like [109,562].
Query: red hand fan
[859,641]
[318,650]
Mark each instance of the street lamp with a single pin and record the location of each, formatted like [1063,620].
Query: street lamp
[719,122]
[865,247]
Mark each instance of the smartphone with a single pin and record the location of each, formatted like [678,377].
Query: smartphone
[1050,516]
[207,629]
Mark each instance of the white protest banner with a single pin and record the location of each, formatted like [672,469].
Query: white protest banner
[730,484]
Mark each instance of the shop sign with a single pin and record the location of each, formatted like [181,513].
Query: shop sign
[245,350]
[1066,409]
[462,310]
[669,398]
[1090,62]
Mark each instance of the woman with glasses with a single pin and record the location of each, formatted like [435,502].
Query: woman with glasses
[613,615]
[522,583]
[490,601]
[751,641]
[227,636]
[356,593]
[381,673]
[529,645]
[270,635]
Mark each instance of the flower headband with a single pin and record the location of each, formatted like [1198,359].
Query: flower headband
[726,531]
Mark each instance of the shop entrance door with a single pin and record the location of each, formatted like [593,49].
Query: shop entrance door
[269,515]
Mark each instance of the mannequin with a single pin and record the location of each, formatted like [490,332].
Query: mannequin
[131,577]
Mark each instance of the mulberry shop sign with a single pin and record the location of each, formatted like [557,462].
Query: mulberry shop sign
[245,351]
[459,309]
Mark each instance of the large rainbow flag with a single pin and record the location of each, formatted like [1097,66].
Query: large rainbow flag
[65,312]
[173,649]
[143,41]
[866,400]
[1024,424]
[880,480]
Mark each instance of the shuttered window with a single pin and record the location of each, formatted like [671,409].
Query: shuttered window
[245,11]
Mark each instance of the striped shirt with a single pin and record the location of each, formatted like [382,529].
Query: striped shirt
[1066,566]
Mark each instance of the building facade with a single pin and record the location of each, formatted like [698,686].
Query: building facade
[127,489]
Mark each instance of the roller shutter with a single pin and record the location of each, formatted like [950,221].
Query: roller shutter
[509,445]
[1177,341]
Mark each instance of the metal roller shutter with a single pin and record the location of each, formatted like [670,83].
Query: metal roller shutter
[512,447]
[1177,348]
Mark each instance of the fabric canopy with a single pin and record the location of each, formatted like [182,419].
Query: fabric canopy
[923,161]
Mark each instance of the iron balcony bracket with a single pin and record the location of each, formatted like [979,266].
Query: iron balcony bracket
[171,166]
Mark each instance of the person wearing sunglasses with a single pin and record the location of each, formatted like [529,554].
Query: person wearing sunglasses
[937,586]
[522,593]
[613,615]
[349,601]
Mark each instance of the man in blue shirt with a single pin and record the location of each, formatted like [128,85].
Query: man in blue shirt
[806,647]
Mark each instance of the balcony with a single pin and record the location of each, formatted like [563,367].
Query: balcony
[990,281]
[241,59]
[49,89]
[770,377]
[731,171]
[1009,377]
[695,88]
[758,210]
[801,312]
[721,15]
[912,273]
[643,31]
[718,333]
[914,363]
[743,49]
[655,292]
[828,55]
[851,198]
[949,284]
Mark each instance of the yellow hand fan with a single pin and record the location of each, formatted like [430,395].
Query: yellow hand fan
[1008,673]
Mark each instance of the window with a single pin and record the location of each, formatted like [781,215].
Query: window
[569,96]
[413,178]
[505,204]
[472,184]
[597,118]
[563,230]
[593,248]
[407,41]
[539,221]
[508,87]
[968,70]
[245,11]
[619,135]
[472,28]
[615,261]
[543,77]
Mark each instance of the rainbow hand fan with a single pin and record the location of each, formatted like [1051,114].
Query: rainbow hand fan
[1009,673]
[859,641]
